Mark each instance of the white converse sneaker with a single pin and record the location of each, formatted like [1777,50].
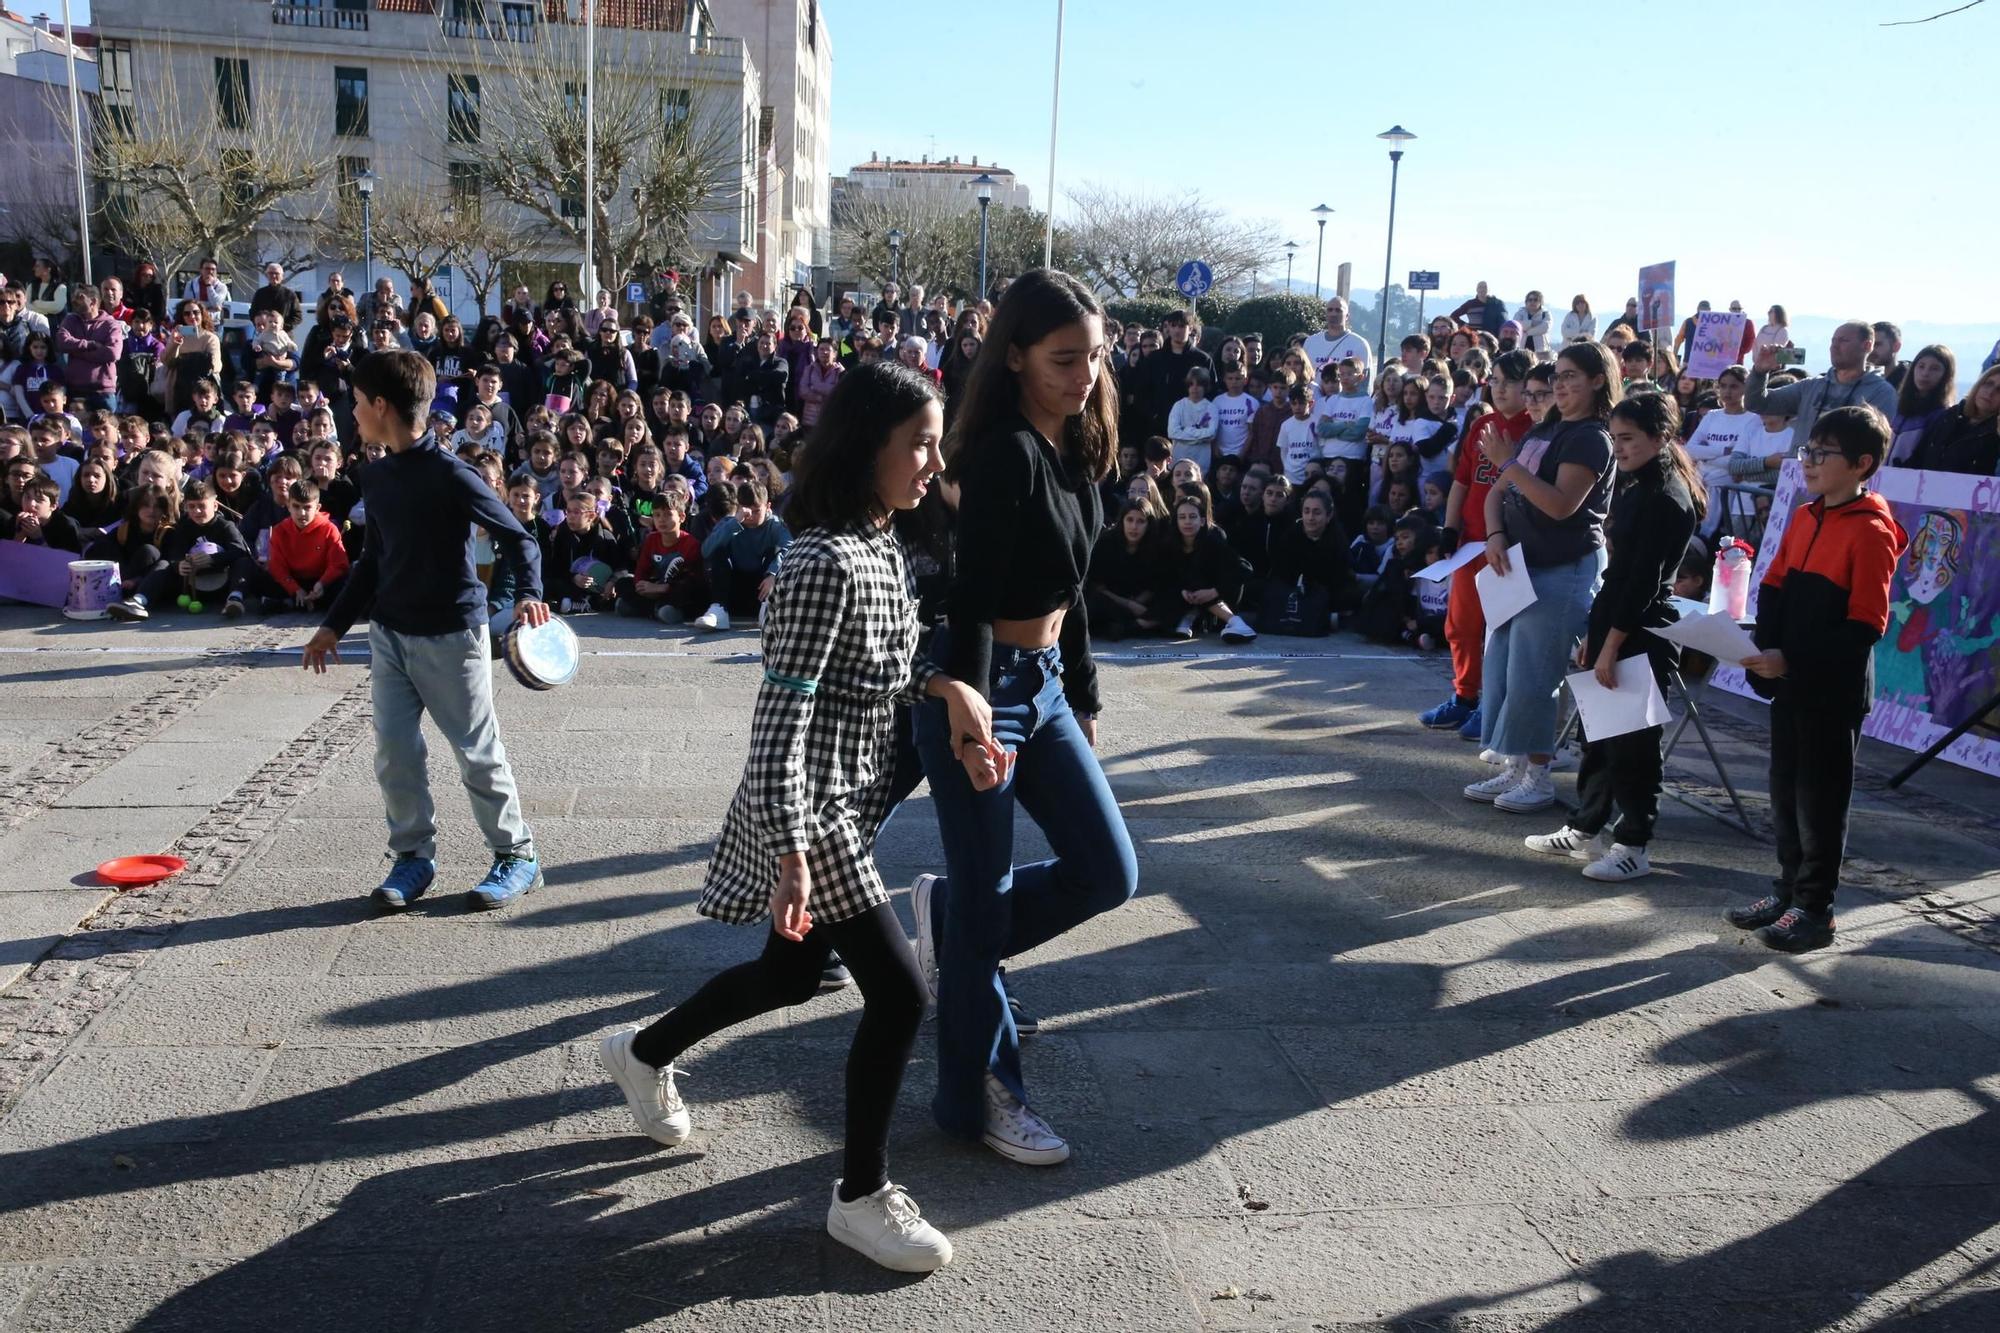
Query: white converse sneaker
[1238,631]
[1619,863]
[1017,1133]
[921,890]
[656,1104]
[1564,759]
[887,1227]
[1503,781]
[1493,757]
[1185,630]
[716,617]
[1536,790]
[1566,841]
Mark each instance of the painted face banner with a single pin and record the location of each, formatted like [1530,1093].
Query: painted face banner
[1939,660]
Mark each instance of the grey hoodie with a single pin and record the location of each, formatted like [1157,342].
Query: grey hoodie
[1804,401]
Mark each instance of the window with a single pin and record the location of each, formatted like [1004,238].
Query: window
[461,108]
[517,21]
[675,106]
[350,101]
[114,80]
[232,93]
[466,188]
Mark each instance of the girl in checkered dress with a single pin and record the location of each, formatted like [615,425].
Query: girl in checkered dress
[840,636]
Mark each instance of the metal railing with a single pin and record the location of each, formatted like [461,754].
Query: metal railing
[305,14]
[514,22]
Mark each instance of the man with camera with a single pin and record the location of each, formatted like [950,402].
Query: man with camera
[1848,382]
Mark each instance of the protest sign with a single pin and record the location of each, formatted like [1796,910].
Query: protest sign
[1656,296]
[1717,343]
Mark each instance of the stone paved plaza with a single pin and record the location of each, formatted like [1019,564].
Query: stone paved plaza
[1354,1058]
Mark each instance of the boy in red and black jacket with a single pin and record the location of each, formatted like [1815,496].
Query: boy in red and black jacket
[1822,606]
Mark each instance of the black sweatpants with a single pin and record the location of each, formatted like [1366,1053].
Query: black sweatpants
[877,952]
[1624,771]
[1812,784]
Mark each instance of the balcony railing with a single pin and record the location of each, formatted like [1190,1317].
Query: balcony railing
[509,22]
[311,14]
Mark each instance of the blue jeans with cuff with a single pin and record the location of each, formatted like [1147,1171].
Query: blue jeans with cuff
[1528,657]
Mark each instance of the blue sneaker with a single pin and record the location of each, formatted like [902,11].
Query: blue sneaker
[510,877]
[1470,731]
[405,883]
[1447,716]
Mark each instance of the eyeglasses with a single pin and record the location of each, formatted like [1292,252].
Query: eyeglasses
[1570,377]
[1805,453]
[1538,395]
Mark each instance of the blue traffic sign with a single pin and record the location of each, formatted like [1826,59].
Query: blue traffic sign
[1423,280]
[635,292]
[1195,279]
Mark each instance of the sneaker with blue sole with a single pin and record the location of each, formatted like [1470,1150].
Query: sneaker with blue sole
[1470,731]
[406,881]
[510,877]
[1447,716]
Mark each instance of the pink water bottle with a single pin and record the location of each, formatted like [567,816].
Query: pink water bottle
[1729,591]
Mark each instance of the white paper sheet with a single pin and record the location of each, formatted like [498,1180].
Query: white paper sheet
[1451,564]
[1633,706]
[1717,635]
[1504,597]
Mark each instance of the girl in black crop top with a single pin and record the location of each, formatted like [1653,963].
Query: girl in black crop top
[1033,437]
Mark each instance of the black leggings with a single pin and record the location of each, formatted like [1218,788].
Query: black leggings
[877,952]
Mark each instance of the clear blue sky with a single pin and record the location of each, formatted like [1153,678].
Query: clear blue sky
[1796,153]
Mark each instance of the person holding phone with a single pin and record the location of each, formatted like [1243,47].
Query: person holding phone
[1848,382]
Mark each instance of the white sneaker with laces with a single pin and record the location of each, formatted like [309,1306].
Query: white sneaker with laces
[1238,631]
[713,618]
[656,1104]
[1535,790]
[1017,1133]
[1619,863]
[1566,841]
[1563,760]
[1504,781]
[921,890]
[888,1228]
[1493,757]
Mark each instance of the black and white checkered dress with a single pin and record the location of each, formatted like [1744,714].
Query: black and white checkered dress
[840,638]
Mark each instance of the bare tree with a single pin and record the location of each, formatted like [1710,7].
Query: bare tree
[483,242]
[1133,244]
[185,172]
[413,228]
[664,155]
[940,248]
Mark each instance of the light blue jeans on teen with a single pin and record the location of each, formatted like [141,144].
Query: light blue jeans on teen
[988,909]
[450,677]
[1527,658]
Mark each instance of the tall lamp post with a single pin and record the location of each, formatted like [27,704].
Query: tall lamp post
[364,185]
[1397,137]
[1291,248]
[1319,265]
[76,145]
[982,188]
[896,257]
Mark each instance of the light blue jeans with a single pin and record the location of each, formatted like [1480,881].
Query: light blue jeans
[449,676]
[1527,658]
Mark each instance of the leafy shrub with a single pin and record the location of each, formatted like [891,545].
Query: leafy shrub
[1277,318]
[1145,311]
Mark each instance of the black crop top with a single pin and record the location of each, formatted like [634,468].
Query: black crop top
[1027,519]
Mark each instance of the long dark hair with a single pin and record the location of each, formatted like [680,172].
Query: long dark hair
[1037,303]
[833,472]
[1914,402]
[1658,415]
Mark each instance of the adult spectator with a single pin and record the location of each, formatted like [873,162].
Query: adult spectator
[1929,388]
[1848,382]
[1749,331]
[276,297]
[521,305]
[1579,325]
[48,294]
[1163,374]
[891,301]
[1628,320]
[1685,334]
[1534,319]
[1883,356]
[336,285]
[92,342]
[381,304]
[194,353]
[1963,438]
[111,300]
[207,287]
[1777,331]
[424,297]
[1483,311]
[1336,341]
[147,292]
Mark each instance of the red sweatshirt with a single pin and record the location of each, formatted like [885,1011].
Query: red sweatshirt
[1825,601]
[301,557]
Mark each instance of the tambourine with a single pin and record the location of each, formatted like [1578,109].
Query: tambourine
[544,656]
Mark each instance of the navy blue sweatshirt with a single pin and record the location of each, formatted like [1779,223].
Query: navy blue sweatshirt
[416,574]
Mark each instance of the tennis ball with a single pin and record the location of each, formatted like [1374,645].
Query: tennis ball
[183,601]
[193,605]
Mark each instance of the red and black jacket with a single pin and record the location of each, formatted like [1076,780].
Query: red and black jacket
[1825,601]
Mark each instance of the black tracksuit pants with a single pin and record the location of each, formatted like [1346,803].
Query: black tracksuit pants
[1812,784]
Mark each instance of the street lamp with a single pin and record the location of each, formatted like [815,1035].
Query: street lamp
[1322,213]
[364,185]
[896,255]
[1397,137]
[982,187]
[1291,248]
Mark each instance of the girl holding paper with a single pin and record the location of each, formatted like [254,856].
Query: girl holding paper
[1660,498]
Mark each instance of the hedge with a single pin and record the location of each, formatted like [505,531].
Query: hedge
[1278,317]
[1146,311]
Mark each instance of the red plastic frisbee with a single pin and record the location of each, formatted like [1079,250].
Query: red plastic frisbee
[136,872]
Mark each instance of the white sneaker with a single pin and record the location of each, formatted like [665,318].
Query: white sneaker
[1503,781]
[1017,1133]
[1563,760]
[1619,863]
[1536,790]
[887,1227]
[1185,630]
[760,624]
[1566,841]
[713,618]
[1494,757]
[1238,631]
[656,1104]
[920,907]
